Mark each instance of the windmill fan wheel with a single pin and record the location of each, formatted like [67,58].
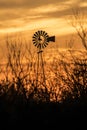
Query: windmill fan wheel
[40,39]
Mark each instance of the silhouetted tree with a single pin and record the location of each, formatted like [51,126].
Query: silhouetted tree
[79,22]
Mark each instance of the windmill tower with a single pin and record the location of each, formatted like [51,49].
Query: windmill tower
[40,40]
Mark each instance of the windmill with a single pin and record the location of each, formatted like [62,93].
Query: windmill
[40,40]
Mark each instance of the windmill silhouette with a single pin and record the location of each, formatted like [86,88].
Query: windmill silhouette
[40,40]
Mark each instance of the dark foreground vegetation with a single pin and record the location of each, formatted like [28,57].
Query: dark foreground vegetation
[60,101]
[16,111]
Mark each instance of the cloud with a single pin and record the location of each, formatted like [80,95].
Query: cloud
[11,9]
[19,13]
[27,3]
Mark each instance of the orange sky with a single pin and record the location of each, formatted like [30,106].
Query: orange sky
[28,16]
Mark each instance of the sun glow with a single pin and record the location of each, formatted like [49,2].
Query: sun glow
[83,4]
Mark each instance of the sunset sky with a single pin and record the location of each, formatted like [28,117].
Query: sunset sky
[32,15]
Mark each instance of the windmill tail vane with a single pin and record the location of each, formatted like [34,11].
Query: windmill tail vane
[51,39]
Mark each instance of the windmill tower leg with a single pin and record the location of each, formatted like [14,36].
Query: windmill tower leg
[40,79]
